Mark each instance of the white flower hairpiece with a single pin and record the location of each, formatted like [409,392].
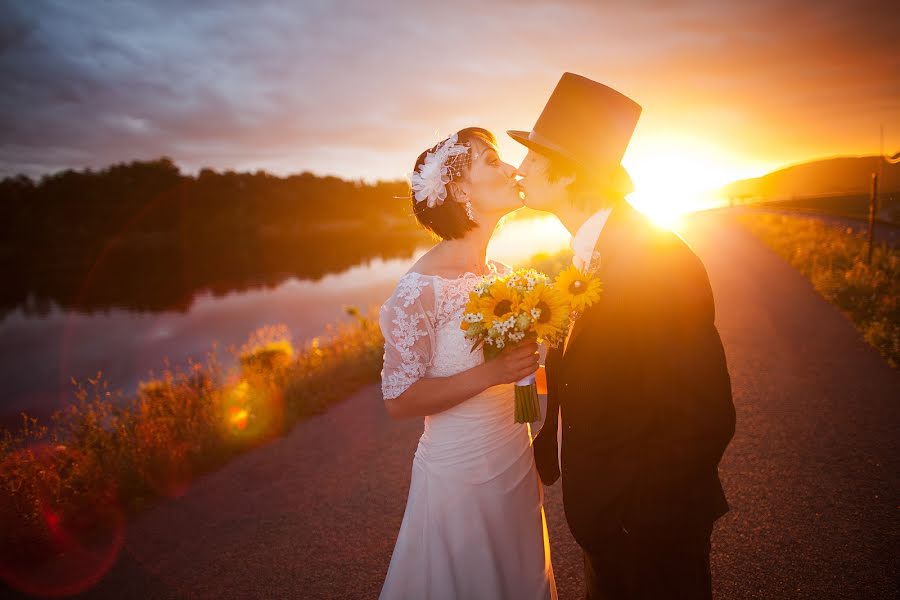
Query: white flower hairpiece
[429,181]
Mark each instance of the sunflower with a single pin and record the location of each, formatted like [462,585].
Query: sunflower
[578,289]
[500,303]
[472,308]
[548,309]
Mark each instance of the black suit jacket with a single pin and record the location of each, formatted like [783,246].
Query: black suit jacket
[644,391]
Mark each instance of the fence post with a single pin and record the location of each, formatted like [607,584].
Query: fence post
[872,210]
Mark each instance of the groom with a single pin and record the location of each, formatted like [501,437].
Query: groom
[639,407]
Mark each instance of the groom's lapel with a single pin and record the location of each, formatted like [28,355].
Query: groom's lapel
[609,243]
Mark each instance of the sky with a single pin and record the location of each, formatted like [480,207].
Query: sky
[358,88]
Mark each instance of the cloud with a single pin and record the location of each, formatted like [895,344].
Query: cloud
[359,88]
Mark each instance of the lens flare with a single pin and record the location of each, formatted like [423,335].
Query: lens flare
[253,411]
[238,418]
[63,529]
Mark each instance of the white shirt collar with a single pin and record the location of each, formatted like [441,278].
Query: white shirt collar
[586,237]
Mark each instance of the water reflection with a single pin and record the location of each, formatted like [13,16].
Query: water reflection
[131,310]
[168,277]
[517,240]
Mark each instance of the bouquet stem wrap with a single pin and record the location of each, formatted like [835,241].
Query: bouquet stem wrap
[528,408]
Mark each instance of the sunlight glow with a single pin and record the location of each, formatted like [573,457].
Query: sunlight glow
[675,175]
[517,240]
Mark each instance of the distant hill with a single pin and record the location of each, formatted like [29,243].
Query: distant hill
[832,176]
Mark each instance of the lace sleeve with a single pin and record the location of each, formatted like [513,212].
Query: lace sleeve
[407,323]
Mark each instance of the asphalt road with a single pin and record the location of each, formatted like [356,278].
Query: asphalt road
[812,474]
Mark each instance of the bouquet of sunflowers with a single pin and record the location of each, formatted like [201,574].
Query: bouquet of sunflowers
[504,310]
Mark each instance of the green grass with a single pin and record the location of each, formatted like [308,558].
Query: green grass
[834,260]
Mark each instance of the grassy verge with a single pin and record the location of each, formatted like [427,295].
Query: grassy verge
[834,260]
[67,487]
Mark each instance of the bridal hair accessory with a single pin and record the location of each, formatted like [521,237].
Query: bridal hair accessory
[429,181]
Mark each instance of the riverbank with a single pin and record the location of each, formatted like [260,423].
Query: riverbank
[105,457]
[70,484]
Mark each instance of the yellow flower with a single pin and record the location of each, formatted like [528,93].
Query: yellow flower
[550,309]
[472,308]
[578,289]
[499,304]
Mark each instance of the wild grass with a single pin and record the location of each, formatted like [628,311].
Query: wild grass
[834,260]
[105,456]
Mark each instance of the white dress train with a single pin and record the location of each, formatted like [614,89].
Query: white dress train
[474,525]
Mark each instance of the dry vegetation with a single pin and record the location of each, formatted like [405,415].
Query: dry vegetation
[65,483]
[834,260]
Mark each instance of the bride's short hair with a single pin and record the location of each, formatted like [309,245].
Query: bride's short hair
[449,220]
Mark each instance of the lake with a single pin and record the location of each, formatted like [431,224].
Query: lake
[129,310]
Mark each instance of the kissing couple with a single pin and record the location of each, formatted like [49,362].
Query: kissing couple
[639,407]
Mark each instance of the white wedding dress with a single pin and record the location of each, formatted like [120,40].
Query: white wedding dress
[474,524]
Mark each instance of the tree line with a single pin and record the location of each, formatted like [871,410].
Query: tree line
[146,236]
[155,197]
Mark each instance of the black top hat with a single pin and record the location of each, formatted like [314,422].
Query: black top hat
[585,123]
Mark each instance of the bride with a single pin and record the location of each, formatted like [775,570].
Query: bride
[474,524]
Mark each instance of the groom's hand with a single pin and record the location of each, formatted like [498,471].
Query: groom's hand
[546,454]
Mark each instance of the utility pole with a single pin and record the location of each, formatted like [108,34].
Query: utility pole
[873,201]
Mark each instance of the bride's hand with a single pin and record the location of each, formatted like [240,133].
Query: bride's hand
[514,362]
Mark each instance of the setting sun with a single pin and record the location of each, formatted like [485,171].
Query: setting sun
[676,175]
